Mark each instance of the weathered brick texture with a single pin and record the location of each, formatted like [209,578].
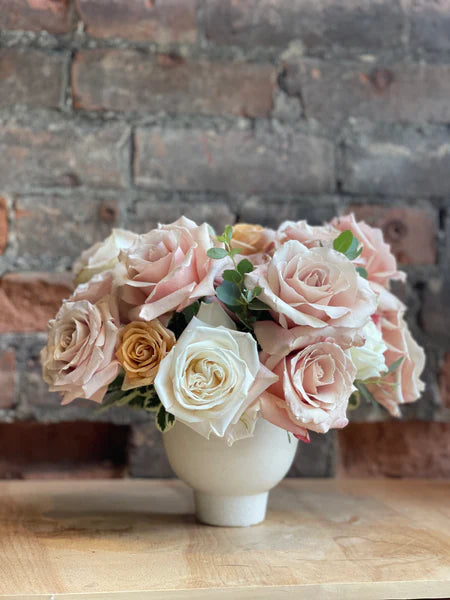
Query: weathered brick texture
[35,15]
[63,153]
[29,300]
[235,161]
[334,92]
[160,21]
[411,232]
[407,449]
[114,80]
[30,77]
[399,162]
[129,113]
[370,24]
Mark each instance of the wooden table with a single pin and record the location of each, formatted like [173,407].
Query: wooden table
[138,540]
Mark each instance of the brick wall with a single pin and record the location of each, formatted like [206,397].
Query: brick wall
[126,113]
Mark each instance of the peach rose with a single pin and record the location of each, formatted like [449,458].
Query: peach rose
[79,358]
[309,235]
[142,347]
[376,257]
[314,288]
[406,385]
[168,268]
[251,239]
[312,391]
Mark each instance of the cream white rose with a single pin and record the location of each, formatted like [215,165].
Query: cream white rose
[103,255]
[212,376]
[369,359]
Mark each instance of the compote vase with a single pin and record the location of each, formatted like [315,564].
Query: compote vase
[231,483]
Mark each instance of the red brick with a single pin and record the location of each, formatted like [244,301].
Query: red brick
[160,21]
[334,92]
[29,300]
[365,24]
[235,161]
[63,450]
[395,449]
[126,80]
[444,381]
[4,224]
[411,232]
[7,378]
[35,15]
[30,77]
[63,153]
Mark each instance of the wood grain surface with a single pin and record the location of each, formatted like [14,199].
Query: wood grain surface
[138,540]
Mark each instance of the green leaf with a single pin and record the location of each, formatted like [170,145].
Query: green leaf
[217,253]
[235,251]
[395,365]
[232,275]
[164,420]
[257,304]
[245,266]
[353,252]
[354,401]
[343,242]
[190,311]
[362,271]
[228,233]
[228,292]
[362,389]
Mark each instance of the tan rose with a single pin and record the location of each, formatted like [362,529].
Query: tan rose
[252,239]
[142,348]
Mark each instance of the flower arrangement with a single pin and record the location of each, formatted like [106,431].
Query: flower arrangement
[294,326]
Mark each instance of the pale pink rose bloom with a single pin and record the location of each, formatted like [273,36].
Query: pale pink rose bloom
[314,288]
[312,391]
[310,236]
[376,257]
[79,358]
[400,343]
[168,268]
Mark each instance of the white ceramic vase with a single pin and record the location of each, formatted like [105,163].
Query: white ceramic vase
[231,484]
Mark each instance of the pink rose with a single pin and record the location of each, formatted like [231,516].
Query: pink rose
[312,391]
[376,256]
[309,235]
[314,288]
[406,385]
[168,268]
[79,359]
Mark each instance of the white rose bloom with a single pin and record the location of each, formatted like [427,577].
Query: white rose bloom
[369,359]
[102,256]
[212,376]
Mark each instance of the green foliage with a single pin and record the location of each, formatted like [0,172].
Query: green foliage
[164,420]
[362,271]
[233,291]
[347,244]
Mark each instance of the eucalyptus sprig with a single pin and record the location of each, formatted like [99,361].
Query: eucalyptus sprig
[233,291]
[348,245]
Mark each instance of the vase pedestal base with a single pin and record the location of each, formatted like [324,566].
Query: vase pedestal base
[230,511]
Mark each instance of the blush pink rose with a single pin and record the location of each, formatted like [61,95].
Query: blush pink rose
[312,391]
[406,385]
[309,235]
[314,288]
[376,257]
[79,358]
[168,268]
